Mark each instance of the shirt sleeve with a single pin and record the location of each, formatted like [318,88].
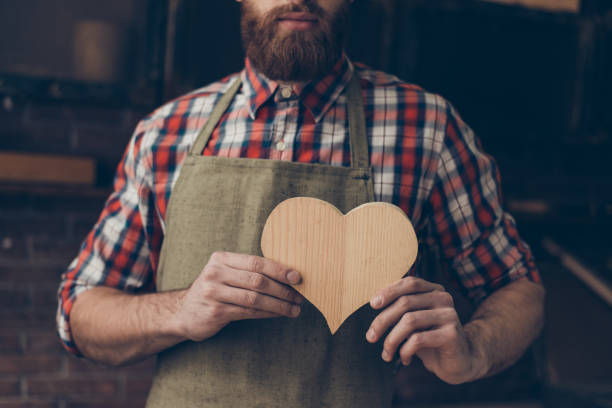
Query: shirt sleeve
[116,252]
[479,242]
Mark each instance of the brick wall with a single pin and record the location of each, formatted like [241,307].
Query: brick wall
[75,129]
[40,233]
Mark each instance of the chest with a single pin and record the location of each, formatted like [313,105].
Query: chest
[401,155]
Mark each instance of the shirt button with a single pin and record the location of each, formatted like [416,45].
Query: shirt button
[281,146]
[286,92]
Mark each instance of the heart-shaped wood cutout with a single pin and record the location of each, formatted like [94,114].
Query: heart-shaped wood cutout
[343,259]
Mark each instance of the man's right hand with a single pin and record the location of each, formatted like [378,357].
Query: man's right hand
[114,327]
[235,287]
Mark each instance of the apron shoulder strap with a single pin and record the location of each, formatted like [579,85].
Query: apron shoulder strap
[356,117]
[360,157]
[224,103]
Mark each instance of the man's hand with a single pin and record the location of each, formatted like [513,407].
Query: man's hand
[114,327]
[422,316]
[236,287]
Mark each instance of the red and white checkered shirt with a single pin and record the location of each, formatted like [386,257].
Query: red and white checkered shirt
[425,159]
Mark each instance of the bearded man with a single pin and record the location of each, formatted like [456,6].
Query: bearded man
[173,265]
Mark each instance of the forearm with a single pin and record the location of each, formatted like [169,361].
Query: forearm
[504,325]
[113,327]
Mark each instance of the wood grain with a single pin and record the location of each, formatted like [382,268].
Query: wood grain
[344,259]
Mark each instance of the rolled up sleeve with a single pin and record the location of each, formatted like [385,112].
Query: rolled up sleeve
[479,241]
[116,252]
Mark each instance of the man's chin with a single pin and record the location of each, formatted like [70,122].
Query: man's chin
[292,48]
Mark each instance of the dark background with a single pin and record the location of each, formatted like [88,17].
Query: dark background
[535,86]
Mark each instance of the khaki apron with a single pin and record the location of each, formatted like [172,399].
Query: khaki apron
[221,204]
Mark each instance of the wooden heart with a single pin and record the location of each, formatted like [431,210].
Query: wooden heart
[343,259]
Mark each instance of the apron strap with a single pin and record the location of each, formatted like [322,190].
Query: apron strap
[224,103]
[357,128]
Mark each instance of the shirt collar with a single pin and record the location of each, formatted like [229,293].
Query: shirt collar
[318,96]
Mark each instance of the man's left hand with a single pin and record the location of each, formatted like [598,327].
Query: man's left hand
[423,321]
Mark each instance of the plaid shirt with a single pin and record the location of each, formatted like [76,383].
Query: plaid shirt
[425,159]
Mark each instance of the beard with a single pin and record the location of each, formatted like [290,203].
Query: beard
[294,55]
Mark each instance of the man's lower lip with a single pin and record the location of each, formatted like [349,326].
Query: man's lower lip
[297,24]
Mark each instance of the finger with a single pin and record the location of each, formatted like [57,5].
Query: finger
[407,325]
[261,283]
[219,272]
[255,300]
[391,315]
[260,265]
[405,286]
[426,339]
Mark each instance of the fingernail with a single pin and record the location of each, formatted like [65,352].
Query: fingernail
[295,310]
[406,362]
[293,277]
[377,301]
[371,335]
[386,356]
